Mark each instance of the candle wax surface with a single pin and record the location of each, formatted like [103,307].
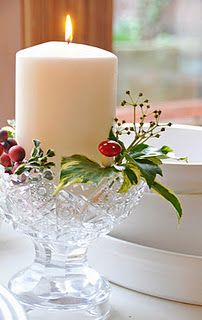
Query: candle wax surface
[56,49]
[65,97]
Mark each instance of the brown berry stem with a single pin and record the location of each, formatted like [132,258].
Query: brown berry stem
[107,161]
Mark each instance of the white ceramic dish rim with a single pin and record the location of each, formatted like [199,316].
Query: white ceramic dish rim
[156,250]
[9,302]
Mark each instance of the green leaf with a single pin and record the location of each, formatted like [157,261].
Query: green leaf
[143,151]
[129,179]
[36,143]
[80,169]
[183,159]
[50,153]
[32,159]
[166,152]
[131,175]
[148,168]
[43,160]
[33,163]
[138,148]
[165,149]
[33,153]
[39,152]
[49,164]
[155,160]
[113,137]
[137,151]
[168,195]
[136,171]
[20,169]
[126,183]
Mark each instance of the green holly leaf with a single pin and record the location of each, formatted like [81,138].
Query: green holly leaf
[168,153]
[134,151]
[136,171]
[126,185]
[138,150]
[131,176]
[112,135]
[155,160]
[142,151]
[149,169]
[169,196]
[80,169]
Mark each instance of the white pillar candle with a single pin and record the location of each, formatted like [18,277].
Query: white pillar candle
[65,97]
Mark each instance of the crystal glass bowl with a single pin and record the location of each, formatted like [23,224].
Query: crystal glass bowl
[62,227]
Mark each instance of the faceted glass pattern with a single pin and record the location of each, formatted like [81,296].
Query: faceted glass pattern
[62,227]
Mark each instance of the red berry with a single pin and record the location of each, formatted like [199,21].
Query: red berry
[110,148]
[10,142]
[3,135]
[5,160]
[16,153]
[1,149]
[5,146]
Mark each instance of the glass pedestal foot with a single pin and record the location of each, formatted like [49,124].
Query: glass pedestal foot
[60,279]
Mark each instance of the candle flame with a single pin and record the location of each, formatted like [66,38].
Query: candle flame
[68,29]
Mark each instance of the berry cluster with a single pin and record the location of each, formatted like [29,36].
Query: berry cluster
[141,131]
[11,154]
[142,114]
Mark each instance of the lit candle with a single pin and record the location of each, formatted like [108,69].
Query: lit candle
[65,97]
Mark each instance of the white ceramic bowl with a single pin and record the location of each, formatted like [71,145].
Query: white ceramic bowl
[156,272]
[154,224]
[185,140]
[151,253]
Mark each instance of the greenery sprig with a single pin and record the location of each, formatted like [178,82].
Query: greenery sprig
[137,161]
[38,160]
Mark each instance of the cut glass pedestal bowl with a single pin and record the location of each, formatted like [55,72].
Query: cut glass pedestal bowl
[62,227]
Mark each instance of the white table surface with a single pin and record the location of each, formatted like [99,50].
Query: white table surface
[16,252]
